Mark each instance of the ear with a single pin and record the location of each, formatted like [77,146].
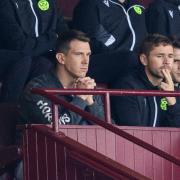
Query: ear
[143,59]
[60,58]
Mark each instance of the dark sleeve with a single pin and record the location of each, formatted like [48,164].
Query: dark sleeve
[38,109]
[97,108]
[85,18]
[156,20]
[35,109]
[74,118]
[13,37]
[173,114]
[125,109]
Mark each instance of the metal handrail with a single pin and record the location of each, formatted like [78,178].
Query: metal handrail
[51,94]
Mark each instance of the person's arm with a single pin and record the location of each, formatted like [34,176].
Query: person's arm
[126,111]
[173,115]
[38,109]
[97,108]
[173,111]
[35,109]
[85,18]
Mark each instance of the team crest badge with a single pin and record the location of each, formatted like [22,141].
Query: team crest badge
[43,5]
[138,10]
[163,104]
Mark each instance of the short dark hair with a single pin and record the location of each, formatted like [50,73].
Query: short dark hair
[66,37]
[176,42]
[153,40]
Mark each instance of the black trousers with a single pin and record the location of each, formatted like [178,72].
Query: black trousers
[16,69]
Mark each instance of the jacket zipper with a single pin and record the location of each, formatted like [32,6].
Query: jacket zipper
[37,22]
[129,22]
[156,112]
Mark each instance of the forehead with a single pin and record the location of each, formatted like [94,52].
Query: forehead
[177,54]
[164,49]
[76,45]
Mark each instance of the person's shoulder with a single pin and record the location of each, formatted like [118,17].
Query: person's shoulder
[129,81]
[40,81]
[43,81]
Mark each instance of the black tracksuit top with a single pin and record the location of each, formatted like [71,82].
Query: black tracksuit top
[110,24]
[29,25]
[140,110]
[164,18]
[37,109]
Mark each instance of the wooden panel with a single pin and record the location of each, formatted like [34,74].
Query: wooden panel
[91,138]
[41,157]
[148,156]
[63,130]
[51,160]
[133,156]
[129,152]
[110,145]
[157,161]
[175,148]
[61,162]
[72,133]
[82,136]
[166,166]
[120,149]
[25,157]
[138,154]
[101,141]
[32,149]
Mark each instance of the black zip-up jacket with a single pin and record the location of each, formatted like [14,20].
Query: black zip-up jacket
[164,18]
[140,110]
[37,109]
[111,25]
[31,26]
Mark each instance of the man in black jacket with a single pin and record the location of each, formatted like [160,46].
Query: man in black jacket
[111,24]
[72,57]
[29,28]
[156,57]
[163,17]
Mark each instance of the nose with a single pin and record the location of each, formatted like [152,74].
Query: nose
[167,60]
[85,59]
[179,65]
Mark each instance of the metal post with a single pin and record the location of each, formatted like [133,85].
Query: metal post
[107,108]
[55,117]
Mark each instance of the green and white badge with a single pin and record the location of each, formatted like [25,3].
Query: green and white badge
[138,10]
[43,5]
[163,104]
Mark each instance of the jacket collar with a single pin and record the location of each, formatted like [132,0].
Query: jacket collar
[142,75]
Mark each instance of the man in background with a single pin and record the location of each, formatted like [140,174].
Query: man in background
[163,17]
[28,33]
